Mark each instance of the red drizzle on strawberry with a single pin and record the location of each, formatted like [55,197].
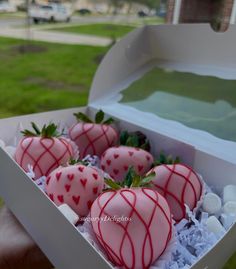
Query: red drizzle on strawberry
[48,180]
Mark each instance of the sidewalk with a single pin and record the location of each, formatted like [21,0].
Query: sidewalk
[56,37]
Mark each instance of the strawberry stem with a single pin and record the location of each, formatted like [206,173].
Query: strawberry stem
[166,159]
[48,131]
[132,180]
[99,118]
[134,139]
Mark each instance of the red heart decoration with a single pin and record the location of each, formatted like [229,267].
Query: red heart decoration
[95,190]
[60,198]
[76,199]
[140,168]
[131,153]
[83,182]
[116,171]
[116,156]
[70,176]
[108,162]
[89,203]
[58,175]
[95,176]
[126,168]
[51,197]
[81,169]
[67,187]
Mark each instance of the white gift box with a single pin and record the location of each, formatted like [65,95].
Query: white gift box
[194,49]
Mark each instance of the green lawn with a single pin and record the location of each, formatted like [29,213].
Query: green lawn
[57,77]
[104,30]
[12,15]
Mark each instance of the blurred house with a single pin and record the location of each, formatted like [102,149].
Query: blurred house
[217,12]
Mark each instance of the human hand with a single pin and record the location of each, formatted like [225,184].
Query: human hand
[17,248]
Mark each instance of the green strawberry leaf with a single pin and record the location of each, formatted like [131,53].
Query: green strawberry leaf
[123,137]
[48,131]
[136,181]
[36,129]
[163,159]
[132,141]
[99,116]
[131,174]
[177,160]
[82,117]
[28,133]
[146,180]
[109,121]
[132,180]
[112,184]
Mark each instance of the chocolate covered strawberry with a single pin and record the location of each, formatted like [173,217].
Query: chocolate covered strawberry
[93,138]
[133,224]
[76,185]
[44,150]
[180,185]
[132,152]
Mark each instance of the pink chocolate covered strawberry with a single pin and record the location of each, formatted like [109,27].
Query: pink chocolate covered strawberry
[44,150]
[131,153]
[180,185]
[76,185]
[133,224]
[93,137]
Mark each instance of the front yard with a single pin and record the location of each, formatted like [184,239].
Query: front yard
[102,29]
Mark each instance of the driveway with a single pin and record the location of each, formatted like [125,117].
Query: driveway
[55,37]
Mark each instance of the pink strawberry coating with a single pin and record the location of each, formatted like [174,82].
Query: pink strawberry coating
[76,185]
[44,154]
[135,242]
[180,185]
[116,160]
[93,138]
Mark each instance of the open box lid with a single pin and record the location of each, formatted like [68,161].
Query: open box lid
[179,80]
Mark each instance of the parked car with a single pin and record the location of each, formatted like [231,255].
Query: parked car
[142,14]
[7,7]
[84,11]
[49,13]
